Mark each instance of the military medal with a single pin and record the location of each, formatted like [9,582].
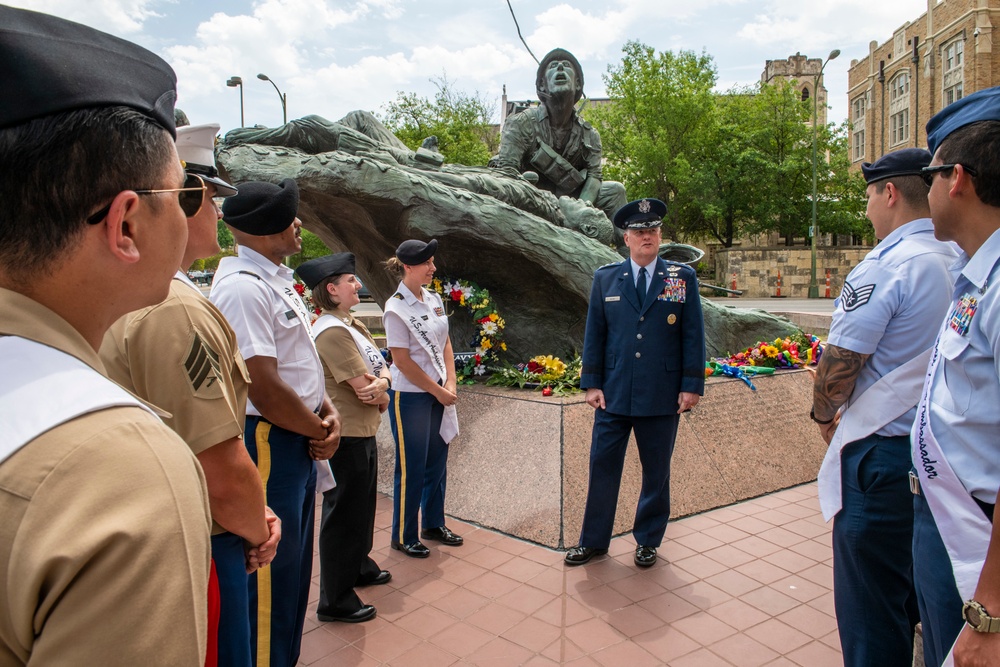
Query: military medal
[671,318]
[961,316]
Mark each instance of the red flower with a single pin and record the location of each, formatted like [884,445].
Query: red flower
[456,295]
[300,288]
[546,391]
[535,367]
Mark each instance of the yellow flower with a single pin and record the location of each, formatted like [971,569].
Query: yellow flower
[493,317]
[486,343]
[771,351]
[437,285]
[503,346]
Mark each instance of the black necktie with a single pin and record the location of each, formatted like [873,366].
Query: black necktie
[640,286]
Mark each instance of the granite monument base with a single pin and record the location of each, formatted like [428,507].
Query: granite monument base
[520,463]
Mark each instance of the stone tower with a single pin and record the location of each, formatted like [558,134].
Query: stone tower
[805,72]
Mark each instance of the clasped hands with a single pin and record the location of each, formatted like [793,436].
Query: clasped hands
[261,555]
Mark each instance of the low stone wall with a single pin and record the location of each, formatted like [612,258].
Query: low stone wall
[757,269]
[520,464]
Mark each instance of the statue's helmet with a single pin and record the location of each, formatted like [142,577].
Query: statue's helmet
[558,54]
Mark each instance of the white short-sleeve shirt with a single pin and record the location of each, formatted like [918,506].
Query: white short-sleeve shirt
[399,334]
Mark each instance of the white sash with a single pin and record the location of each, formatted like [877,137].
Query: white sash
[891,396]
[964,528]
[411,317]
[230,266]
[42,387]
[369,353]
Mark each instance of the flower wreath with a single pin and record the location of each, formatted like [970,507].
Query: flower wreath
[489,325]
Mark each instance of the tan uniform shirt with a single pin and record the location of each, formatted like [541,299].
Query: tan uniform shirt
[104,536]
[181,355]
[341,362]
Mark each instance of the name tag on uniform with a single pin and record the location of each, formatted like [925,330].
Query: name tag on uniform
[612,298]
[290,315]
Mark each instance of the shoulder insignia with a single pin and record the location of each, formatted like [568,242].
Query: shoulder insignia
[249,273]
[853,298]
[398,295]
[202,364]
[607,265]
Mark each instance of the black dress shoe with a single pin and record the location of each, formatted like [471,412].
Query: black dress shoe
[581,555]
[415,550]
[442,535]
[366,613]
[645,556]
[383,577]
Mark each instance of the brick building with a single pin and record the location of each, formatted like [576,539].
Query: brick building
[939,57]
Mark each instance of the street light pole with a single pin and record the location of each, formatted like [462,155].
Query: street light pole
[233,82]
[813,285]
[281,96]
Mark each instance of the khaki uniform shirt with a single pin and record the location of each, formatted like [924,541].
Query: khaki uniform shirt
[342,361]
[104,537]
[181,355]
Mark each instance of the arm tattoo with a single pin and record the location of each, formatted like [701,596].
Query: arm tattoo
[835,377]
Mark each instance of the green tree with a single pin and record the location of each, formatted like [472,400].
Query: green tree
[657,126]
[312,247]
[462,123]
[225,237]
[841,206]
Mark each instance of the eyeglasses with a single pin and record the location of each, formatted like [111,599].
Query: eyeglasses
[191,198]
[927,173]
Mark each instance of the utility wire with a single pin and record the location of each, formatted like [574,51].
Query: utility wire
[519,31]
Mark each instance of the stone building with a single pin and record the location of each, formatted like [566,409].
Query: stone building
[806,73]
[928,63]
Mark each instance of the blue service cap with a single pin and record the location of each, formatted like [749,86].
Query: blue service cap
[904,162]
[640,214]
[981,105]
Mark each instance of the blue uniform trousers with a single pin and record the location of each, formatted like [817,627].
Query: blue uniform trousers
[872,554]
[654,437]
[279,593]
[347,527]
[937,593]
[234,614]
[421,464]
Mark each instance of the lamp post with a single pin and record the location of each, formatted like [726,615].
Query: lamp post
[813,285]
[233,82]
[281,96]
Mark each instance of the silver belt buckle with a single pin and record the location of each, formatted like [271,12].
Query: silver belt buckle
[914,483]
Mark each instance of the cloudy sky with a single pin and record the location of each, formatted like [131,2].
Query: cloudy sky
[333,56]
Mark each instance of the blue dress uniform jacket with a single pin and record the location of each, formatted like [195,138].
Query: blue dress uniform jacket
[643,355]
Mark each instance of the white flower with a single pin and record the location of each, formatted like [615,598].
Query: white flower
[489,327]
[480,369]
[481,352]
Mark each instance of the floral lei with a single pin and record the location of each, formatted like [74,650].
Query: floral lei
[489,324]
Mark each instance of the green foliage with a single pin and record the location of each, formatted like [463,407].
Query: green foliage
[226,240]
[728,165]
[461,122]
[312,247]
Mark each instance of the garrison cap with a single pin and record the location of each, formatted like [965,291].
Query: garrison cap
[640,214]
[413,252]
[196,148]
[316,270]
[904,162]
[262,209]
[980,105]
[559,54]
[49,65]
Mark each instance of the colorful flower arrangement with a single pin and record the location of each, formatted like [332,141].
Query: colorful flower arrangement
[793,352]
[551,375]
[489,325]
[306,295]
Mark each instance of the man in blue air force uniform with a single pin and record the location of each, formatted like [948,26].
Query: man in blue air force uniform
[643,364]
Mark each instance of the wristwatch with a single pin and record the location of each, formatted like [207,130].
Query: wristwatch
[978,618]
[812,416]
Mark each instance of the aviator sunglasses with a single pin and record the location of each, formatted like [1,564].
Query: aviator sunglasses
[191,198]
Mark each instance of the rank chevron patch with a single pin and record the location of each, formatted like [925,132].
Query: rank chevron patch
[853,298]
[202,364]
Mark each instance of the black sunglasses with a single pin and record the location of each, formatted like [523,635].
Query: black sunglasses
[191,197]
[927,173]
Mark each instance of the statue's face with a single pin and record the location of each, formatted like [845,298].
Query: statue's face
[560,77]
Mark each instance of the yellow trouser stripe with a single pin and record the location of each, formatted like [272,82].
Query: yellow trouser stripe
[401,452]
[264,573]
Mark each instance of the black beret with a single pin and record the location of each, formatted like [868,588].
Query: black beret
[904,162]
[262,209]
[559,54]
[49,65]
[981,105]
[640,214]
[316,270]
[415,252]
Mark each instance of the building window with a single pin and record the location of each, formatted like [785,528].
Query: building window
[858,128]
[805,94]
[899,109]
[953,59]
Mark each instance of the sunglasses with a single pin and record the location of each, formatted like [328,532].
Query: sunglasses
[927,173]
[191,198]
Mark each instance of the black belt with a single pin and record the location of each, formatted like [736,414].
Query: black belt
[987,508]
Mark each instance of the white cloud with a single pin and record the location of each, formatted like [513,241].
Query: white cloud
[122,17]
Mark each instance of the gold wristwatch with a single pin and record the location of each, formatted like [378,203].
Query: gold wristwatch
[978,618]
